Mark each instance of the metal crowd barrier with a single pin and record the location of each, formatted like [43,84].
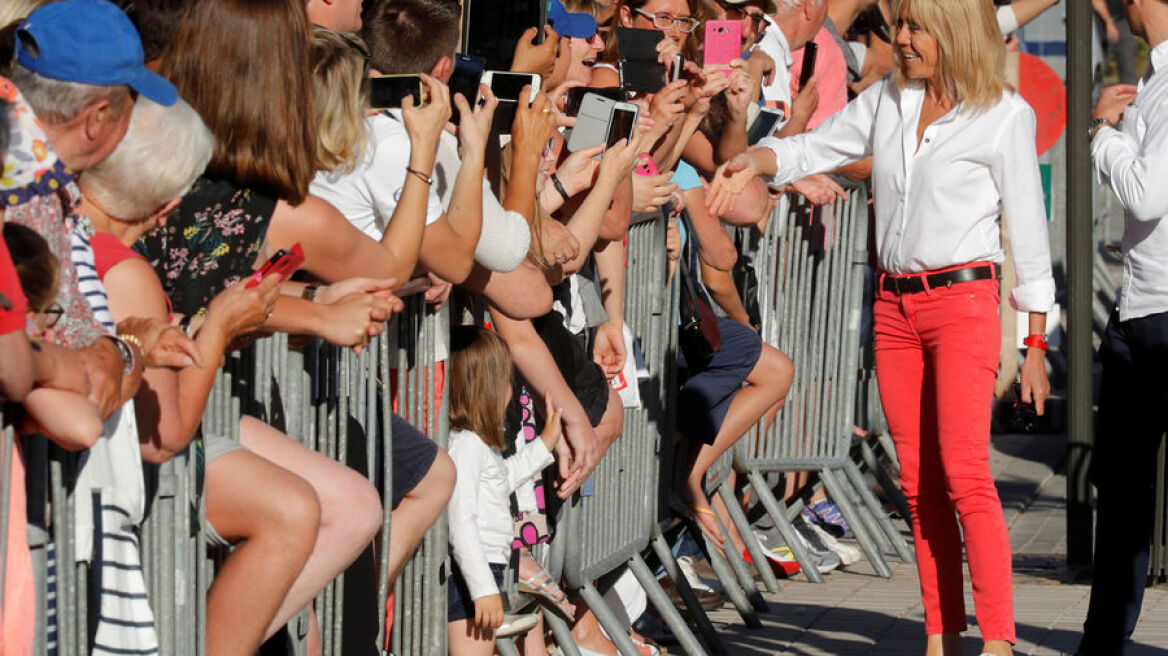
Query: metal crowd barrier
[320,395]
[810,267]
[609,530]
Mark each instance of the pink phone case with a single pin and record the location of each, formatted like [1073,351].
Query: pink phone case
[647,165]
[723,42]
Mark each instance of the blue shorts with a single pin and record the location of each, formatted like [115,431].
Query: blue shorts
[706,392]
[459,605]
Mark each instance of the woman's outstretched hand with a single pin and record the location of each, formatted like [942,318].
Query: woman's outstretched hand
[729,181]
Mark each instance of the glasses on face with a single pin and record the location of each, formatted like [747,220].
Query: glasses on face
[52,315]
[665,22]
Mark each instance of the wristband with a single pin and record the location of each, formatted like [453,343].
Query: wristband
[309,293]
[560,187]
[1036,341]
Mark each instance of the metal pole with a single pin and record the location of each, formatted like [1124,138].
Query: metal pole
[1080,354]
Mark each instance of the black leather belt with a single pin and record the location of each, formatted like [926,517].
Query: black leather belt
[914,284]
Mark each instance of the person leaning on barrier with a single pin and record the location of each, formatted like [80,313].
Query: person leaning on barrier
[252,201]
[1131,158]
[938,248]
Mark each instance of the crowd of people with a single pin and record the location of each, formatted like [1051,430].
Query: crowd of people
[153,162]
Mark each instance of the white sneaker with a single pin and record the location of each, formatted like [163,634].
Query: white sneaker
[847,553]
[686,564]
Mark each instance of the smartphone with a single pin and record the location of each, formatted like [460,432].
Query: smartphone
[764,124]
[638,45]
[388,91]
[723,43]
[507,85]
[592,121]
[283,263]
[576,97]
[810,54]
[647,166]
[641,76]
[468,72]
[678,67]
[622,122]
[490,29]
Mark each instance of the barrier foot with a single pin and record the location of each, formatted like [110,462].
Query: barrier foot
[752,546]
[616,631]
[863,512]
[877,511]
[729,581]
[697,614]
[837,492]
[778,513]
[672,618]
[885,479]
[562,633]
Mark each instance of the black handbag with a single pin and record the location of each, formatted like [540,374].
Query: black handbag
[698,337]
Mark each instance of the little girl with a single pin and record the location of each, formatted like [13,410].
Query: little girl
[479,512]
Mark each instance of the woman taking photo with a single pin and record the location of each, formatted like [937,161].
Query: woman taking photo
[952,147]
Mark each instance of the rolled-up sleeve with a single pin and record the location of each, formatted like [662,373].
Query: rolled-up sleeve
[1015,172]
[505,237]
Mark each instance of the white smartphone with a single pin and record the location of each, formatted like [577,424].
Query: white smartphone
[622,123]
[763,125]
[507,85]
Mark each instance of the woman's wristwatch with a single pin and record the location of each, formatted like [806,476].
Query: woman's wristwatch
[1037,340]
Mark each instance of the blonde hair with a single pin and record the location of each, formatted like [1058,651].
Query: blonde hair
[339,92]
[972,54]
[480,382]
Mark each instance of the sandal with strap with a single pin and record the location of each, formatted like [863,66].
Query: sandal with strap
[535,580]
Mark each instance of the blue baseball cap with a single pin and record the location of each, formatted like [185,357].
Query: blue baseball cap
[566,23]
[91,42]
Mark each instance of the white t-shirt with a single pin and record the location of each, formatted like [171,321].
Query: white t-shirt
[369,194]
[479,514]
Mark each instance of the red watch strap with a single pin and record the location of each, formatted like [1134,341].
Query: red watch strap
[1036,341]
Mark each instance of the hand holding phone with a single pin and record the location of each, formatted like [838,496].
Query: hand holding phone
[388,91]
[282,264]
[723,43]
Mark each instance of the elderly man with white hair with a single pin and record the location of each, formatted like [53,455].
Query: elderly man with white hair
[794,24]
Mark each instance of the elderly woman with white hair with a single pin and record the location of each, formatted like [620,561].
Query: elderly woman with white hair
[953,148]
[165,149]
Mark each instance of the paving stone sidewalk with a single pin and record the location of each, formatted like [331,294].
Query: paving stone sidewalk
[857,612]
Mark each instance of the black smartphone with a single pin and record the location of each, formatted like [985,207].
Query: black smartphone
[641,76]
[637,44]
[490,29]
[763,125]
[468,71]
[810,54]
[576,96]
[388,91]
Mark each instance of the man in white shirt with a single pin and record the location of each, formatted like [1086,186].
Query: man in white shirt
[794,24]
[1132,159]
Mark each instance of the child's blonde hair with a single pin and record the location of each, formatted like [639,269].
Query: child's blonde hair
[480,383]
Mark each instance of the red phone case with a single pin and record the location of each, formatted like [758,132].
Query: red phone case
[647,165]
[723,42]
[281,264]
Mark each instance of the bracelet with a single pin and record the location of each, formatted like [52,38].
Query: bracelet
[421,176]
[309,293]
[1036,341]
[560,187]
[123,343]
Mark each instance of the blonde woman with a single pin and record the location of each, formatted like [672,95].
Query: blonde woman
[952,147]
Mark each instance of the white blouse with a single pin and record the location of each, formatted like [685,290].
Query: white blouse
[479,514]
[937,205]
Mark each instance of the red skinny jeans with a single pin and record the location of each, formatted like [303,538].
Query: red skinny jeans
[936,361]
